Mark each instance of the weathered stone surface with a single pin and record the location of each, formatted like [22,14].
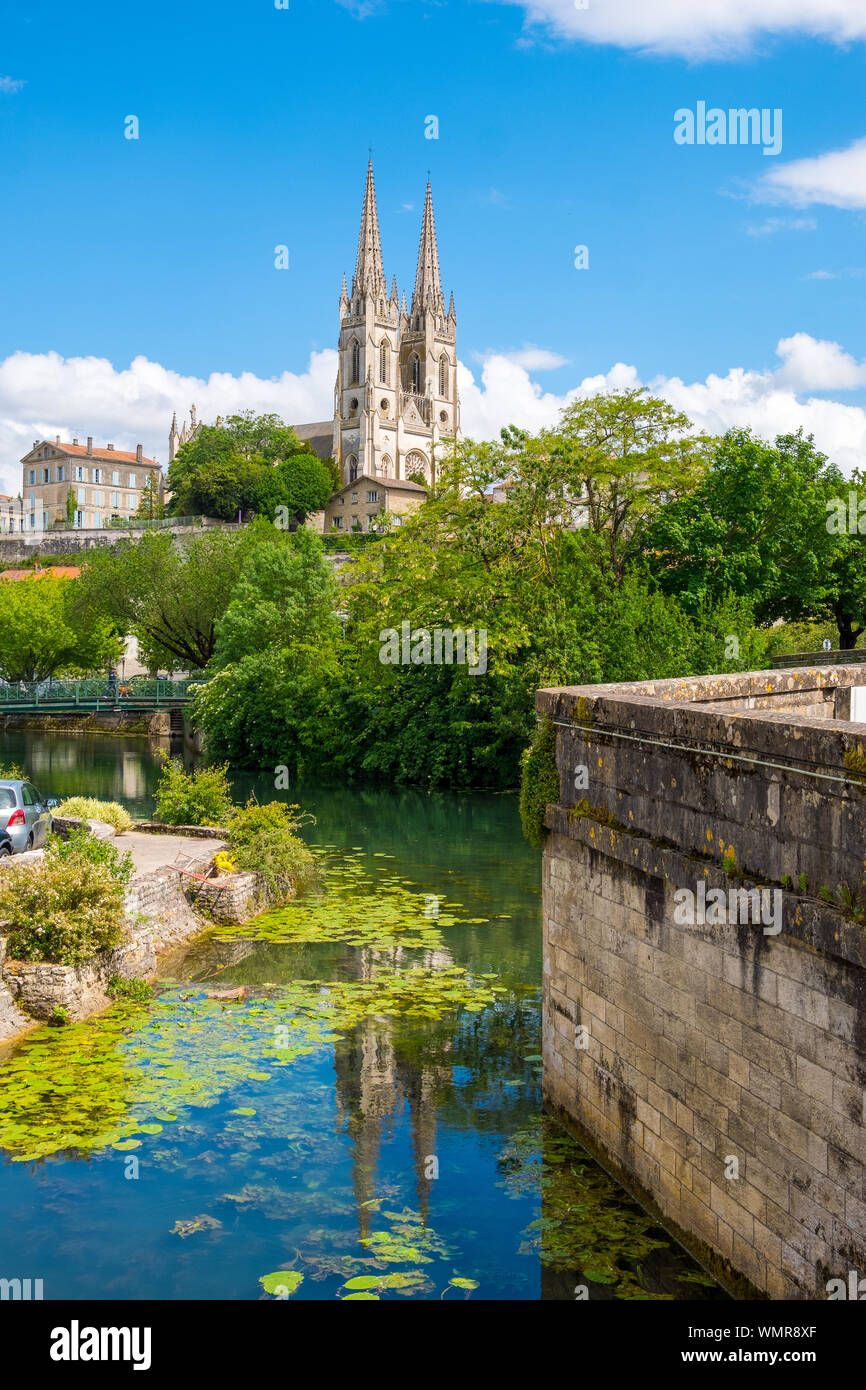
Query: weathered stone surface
[677,1048]
[233,897]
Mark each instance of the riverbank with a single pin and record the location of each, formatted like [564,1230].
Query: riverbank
[172,896]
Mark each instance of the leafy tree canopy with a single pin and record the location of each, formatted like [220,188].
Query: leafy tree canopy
[247,463]
[42,634]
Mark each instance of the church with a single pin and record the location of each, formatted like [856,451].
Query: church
[395,398]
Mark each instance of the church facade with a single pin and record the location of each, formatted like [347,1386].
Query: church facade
[395,397]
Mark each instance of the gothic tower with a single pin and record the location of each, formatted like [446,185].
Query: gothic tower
[396,391]
[428,357]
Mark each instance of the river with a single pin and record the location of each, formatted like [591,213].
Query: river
[367,1122]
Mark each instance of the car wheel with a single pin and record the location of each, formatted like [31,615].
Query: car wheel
[5,848]
[30,840]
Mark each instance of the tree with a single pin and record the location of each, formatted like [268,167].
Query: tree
[276,656]
[151,507]
[43,634]
[247,464]
[757,525]
[70,507]
[170,597]
[616,459]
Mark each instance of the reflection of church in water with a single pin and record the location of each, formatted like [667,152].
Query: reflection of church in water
[374,1085]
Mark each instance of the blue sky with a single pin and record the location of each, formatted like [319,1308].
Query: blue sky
[555,129]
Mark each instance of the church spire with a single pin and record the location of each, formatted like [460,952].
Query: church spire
[369,272]
[428,284]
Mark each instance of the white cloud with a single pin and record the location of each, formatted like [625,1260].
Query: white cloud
[782,224]
[534,359]
[11,84]
[837,179]
[696,28]
[43,395]
[811,364]
[771,402]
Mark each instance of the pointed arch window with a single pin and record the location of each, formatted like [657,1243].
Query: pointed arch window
[383,363]
[355,351]
[353,468]
[443,375]
[415,373]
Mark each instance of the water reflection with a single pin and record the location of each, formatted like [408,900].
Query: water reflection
[398,1132]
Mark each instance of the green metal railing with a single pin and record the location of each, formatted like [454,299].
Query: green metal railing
[138,523]
[852,657]
[95,693]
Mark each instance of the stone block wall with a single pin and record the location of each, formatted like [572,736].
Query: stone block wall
[719,1070]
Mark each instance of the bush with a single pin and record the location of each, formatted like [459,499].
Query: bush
[133,991]
[81,844]
[539,782]
[88,808]
[193,798]
[263,840]
[62,910]
[11,772]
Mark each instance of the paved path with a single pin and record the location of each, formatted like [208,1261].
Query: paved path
[151,852]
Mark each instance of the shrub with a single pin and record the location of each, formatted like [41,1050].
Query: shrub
[63,910]
[81,844]
[88,808]
[193,798]
[539,781]
[224,863]
[11,772]
[263,840]
[135,991]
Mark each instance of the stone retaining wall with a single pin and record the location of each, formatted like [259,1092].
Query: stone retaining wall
[718,1069]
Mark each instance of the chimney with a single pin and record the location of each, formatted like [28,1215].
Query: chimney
[75,441]
[57,439]
[36,444]
[109,446]
[90,446]
[139,452]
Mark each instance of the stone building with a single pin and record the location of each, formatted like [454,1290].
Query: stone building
[178,437]
[395,397]
[359,506]
[11,515]
[107,483]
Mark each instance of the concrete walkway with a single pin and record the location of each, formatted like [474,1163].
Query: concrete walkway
[151,852]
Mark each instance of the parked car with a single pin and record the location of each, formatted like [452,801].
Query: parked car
[25,815]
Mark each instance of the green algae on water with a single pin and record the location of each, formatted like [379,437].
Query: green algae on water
[359,908]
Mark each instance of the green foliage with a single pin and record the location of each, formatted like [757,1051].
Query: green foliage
[88,808]
[42,633]
[64,909]
[11,772]
[70,506]
[151,507]
[758,525]
[539,781]
[81,844]
[276,657]
[262,839]
[202,797]
[244,464]
[357,907]
[135,991]
[59,1017]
